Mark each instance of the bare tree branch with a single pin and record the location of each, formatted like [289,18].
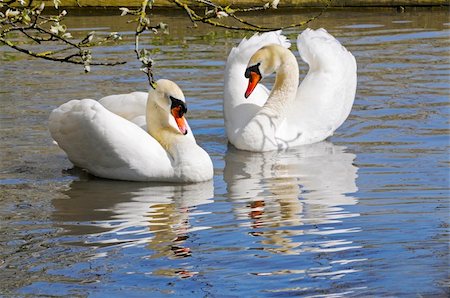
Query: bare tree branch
[25,18]
[28,21]
[46,55]
[217,12]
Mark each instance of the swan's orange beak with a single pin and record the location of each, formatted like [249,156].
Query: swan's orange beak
[253,75]
[177,113]
[253,80]
[178,108]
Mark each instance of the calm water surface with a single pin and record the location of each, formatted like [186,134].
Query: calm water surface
[365,213]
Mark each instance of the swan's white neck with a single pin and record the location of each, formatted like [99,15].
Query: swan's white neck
[284,90]
[262,132]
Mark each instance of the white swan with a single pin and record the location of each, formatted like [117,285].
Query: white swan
[291,115]
[110,145]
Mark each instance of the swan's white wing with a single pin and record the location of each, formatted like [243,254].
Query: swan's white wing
[128,106]
[237,109]
[106,144]
[131,106]
[325,96]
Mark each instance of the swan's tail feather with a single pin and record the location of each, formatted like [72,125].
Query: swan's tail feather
[247,47]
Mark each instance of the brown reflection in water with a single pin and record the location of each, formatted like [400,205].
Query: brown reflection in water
[277,190]
[169,226]
[278,209]
[179,23]
[184,35]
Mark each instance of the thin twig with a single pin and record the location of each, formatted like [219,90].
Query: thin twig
[45,55]
[231,12]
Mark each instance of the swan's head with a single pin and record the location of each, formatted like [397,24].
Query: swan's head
[171,99]
[262,64]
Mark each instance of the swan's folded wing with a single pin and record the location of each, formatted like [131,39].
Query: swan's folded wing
[106,144]
[128,106]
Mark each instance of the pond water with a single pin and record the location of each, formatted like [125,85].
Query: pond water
[365,213]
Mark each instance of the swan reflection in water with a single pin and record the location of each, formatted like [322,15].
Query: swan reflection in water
[109,213]
[281,196]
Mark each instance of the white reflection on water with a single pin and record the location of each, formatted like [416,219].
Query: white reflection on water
[131,214]
[281,196]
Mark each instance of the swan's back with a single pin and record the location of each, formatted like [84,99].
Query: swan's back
[326,94]
[106,144]
[237,109]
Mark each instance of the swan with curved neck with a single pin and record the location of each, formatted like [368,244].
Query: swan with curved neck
[108,145]
[291,115]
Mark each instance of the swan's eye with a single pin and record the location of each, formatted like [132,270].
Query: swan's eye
[178,105]
[253,68]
